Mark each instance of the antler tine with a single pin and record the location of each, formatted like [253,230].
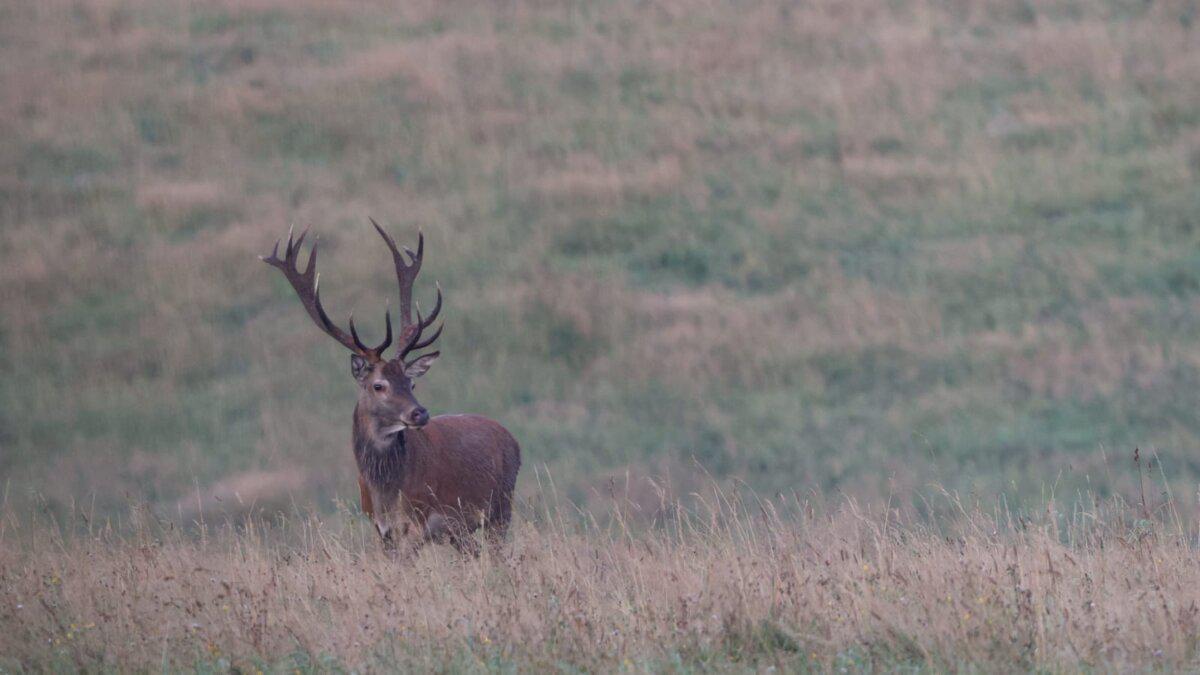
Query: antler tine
[387,340]
[406,270]
[414,360]
[383,346]
[354,335]
[416,257]
[295,250]
[413,334]
[306,284]
[383,233]
[311,271]
[429,340]
[415,330]
[437,308]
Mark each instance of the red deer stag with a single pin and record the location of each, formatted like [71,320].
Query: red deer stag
[447,475]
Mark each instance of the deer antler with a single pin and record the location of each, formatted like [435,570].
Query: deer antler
[306,286]
[406,274]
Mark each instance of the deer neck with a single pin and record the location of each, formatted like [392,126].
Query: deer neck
[381,457]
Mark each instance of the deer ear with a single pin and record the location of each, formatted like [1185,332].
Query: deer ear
[418,367]
[359,367]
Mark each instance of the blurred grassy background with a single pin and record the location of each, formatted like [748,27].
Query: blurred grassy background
[844,244]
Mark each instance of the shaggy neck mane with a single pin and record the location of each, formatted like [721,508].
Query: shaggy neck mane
[382,465]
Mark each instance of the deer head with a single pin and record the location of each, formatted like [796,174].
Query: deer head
[385,386]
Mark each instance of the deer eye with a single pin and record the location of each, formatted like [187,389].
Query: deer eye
[379,386]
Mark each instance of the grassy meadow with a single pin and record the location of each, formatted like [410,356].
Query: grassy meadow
[789,249]
[856,247]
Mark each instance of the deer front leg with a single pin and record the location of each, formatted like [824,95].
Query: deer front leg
[380,521]
[383,516]
[364,497]
[436,529]
[397,542]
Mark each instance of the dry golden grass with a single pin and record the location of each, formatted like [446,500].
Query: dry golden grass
[722,584]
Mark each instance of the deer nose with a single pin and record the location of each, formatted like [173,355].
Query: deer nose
[420,417]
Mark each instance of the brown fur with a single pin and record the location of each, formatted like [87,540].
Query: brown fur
[448,478]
